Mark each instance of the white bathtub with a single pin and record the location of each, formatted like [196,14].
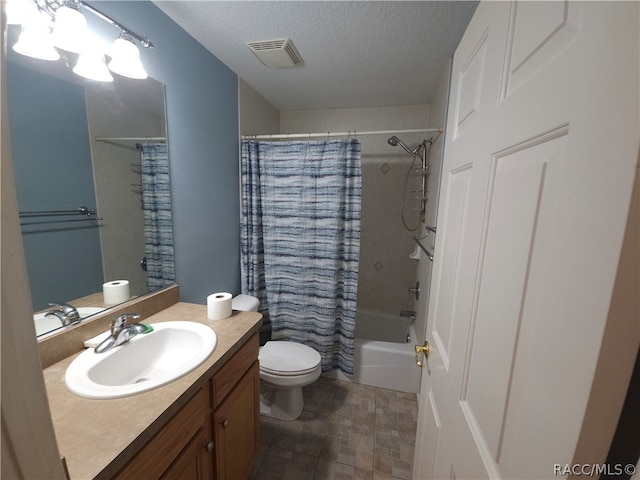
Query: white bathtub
[383,356]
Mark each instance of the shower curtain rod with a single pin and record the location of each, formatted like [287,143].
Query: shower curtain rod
[353,133]
[131,139]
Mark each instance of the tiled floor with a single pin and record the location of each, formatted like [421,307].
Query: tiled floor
[346,431]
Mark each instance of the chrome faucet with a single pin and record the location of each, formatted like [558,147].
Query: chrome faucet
[121,332]
[67,314]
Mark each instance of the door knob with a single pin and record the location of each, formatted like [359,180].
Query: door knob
[422,349]
[209,446]
[224,423]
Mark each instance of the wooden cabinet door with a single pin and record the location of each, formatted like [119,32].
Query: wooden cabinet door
[177,444]
[236,425]
[195,462]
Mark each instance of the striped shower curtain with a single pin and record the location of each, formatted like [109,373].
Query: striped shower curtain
[156,202]
[301,240]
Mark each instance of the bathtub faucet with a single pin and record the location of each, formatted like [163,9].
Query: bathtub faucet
[408,314]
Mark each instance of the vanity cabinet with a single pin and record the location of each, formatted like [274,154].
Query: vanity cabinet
[179,450]
[216,434]
[236,428]
[195,461]
[235,395]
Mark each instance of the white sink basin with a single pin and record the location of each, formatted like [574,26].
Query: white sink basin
[47,323]
[145,362]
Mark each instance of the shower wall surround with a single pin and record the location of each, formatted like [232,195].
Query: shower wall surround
[385,269]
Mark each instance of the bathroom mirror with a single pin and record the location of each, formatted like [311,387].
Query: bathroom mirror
[80,143]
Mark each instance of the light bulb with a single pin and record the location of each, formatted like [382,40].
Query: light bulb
[19,11]
[35,39]
[91,65]
[69,30]
[125,59]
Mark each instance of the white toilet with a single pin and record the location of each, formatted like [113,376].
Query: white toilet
[285,367]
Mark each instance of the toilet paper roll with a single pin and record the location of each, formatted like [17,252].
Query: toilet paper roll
[219,305]
[116,291]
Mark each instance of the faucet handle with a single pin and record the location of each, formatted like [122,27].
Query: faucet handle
[65,307]
[120,321]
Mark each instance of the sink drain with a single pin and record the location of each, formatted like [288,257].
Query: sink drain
[140,380]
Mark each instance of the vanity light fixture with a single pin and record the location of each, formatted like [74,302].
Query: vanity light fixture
[70,34]
[125,58]
[18,11]
[69,28]
[35,38]
[91,65]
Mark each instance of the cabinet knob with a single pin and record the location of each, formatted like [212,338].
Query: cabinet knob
[208,446]
[224,423]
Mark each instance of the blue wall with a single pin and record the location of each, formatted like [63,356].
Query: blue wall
[202,125]
[63,259]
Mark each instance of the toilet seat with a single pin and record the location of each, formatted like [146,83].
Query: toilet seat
[288,358]
[286,374]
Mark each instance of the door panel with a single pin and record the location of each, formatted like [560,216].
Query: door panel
[470,88]
[537,34]
[429,435]
[456,204]
[521,182]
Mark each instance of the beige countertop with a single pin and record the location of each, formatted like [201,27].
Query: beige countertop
[98,437]
[92,300]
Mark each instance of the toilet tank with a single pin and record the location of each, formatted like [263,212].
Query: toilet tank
[245,303]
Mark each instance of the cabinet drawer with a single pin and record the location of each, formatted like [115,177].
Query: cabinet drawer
[161,451]
[224,379]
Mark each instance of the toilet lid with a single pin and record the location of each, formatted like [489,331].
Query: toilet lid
[288,358]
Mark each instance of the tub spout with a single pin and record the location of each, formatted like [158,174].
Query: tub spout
[408,314]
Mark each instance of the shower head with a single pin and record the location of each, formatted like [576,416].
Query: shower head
[395,141]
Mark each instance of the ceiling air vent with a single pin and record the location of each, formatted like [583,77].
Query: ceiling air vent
[276,53]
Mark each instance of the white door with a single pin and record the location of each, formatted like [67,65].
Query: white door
[540,155]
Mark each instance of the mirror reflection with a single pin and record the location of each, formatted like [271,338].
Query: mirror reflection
[92,179]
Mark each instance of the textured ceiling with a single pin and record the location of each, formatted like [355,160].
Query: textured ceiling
[355,54]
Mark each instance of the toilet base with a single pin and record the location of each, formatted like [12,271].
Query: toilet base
[281,403]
